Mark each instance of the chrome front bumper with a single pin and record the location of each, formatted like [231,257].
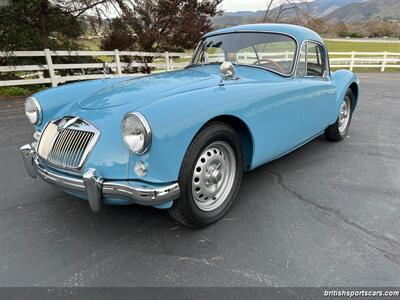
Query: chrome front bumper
[95,187]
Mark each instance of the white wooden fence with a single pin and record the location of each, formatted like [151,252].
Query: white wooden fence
[351,60]
[162,62]
[33,74]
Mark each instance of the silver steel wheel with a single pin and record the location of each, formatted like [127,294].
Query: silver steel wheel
[213,176]
[344,116]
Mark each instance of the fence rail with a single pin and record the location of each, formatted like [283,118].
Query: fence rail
[164,61]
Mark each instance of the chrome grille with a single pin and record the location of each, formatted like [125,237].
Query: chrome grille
[69,147]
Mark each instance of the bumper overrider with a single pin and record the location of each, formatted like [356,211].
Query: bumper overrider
[95,187]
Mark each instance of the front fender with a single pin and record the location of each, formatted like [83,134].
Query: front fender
[174,122]
[177,119]
[53,99]
[342,80]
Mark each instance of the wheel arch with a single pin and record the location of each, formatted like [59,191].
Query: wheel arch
[246,137]
[355,90]
[344,80]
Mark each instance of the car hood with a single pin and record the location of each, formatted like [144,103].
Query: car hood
[141,91]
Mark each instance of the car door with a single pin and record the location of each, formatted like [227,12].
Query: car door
[275,105]
[319,94]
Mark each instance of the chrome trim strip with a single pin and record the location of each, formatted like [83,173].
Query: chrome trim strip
[95,187]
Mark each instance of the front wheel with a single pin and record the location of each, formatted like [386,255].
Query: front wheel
[210,176]
[338,130]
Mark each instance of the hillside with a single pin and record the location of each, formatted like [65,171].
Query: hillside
[372,9]
[321,8]
[347,11]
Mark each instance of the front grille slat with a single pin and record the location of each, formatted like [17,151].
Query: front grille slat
[69,146]
[65,139]
[71,136]
[78,154]
[74,137]
[75,149]
[54,153]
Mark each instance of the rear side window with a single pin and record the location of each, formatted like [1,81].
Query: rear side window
[312,60]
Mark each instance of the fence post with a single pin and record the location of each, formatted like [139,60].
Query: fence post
[49,62]
[384,61]
[352,61]
[166,61]
[118,62]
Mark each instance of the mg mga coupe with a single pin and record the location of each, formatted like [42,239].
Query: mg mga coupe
[181,140]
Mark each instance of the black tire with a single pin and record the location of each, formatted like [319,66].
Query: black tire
[184,209]
[333,133]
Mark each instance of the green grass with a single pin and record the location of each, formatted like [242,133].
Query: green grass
[348,46]
[340,46]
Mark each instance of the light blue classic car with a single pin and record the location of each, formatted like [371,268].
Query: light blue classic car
[182,140]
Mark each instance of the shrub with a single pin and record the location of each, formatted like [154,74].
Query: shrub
[13,91]
[16,91]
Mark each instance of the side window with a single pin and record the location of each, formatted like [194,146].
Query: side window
[315,61]
[312,60]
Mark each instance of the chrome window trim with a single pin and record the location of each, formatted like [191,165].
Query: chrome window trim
[83,126]
[296,52]
[325,53]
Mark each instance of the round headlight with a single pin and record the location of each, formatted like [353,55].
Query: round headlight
[33,111]
[136,132]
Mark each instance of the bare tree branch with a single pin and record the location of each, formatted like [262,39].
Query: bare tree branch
[267,11]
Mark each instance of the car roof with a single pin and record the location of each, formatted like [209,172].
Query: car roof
[298,32]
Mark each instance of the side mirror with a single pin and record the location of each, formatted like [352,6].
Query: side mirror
[227,72]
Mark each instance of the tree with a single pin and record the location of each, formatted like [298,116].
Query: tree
[159,25]
[39,24]
[168,24]
[286,8]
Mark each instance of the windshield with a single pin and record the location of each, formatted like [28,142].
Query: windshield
[272,51]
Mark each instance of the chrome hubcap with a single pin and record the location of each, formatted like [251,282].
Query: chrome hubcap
[213,176]
[344,115]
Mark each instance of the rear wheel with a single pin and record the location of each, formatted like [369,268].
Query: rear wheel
[339,130]
[210,176]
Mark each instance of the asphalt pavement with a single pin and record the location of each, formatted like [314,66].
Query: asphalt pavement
[327,214]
